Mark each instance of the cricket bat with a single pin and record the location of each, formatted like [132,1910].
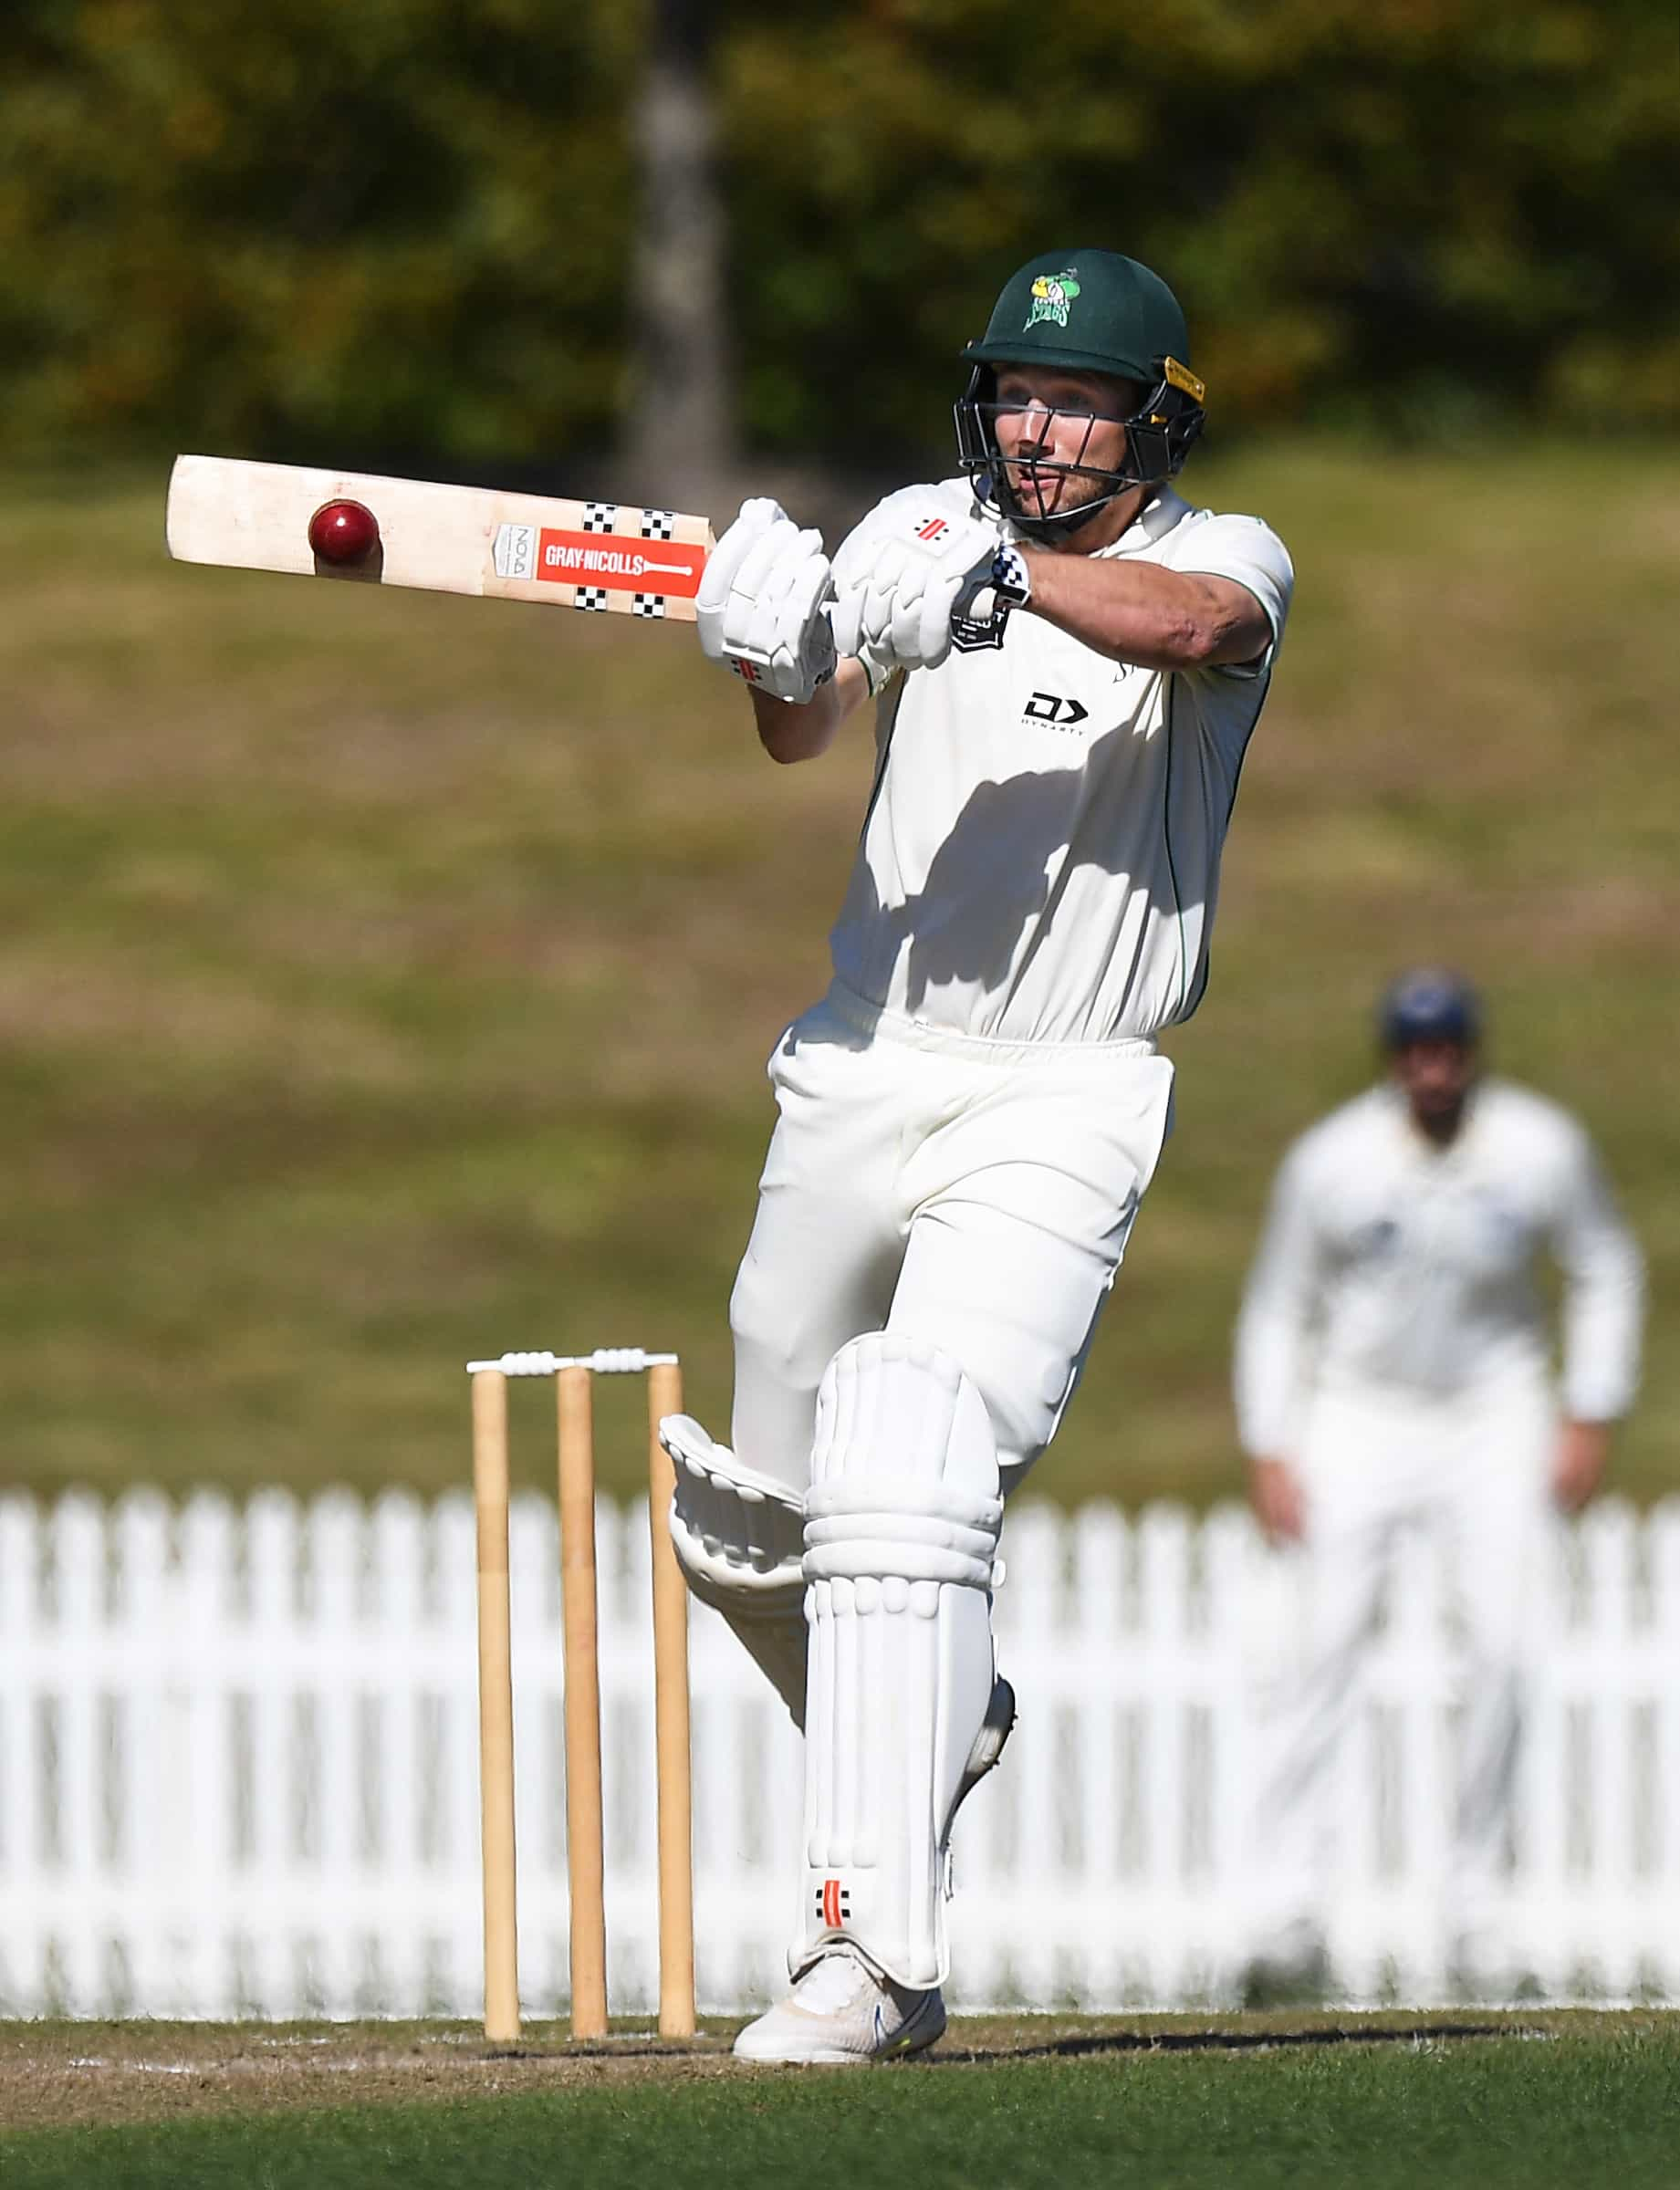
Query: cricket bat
[603,556]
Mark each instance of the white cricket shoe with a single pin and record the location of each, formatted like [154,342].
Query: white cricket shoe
[840,2012]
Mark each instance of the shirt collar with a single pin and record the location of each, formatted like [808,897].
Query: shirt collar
[1414,1135]
[1153,521]
[1157,518]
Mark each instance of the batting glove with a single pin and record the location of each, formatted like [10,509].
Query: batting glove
[913,564]
[763,604]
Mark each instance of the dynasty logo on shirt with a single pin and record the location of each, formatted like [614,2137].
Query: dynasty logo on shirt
[1054,707]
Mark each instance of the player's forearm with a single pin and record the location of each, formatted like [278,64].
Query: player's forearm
[788,732]
[1141,613]
[1582,1457]
[1274,1492]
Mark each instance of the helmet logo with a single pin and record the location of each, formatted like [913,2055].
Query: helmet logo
[1051,296]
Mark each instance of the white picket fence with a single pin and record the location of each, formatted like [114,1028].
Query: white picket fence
[238,1767]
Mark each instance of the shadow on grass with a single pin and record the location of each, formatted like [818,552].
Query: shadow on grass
[1100,2043]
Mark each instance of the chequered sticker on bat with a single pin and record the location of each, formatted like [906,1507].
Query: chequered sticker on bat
[647,604]
[589,597]
[600,517]
[658,524]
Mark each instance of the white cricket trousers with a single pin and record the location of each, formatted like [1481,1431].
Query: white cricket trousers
[972,1193]
[1474,1471]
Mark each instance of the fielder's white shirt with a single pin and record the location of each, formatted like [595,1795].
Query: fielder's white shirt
[1041,853]
[1389,1265]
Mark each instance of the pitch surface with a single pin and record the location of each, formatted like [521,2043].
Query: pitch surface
[1389,2101]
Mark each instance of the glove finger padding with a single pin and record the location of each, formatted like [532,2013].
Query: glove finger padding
[917,613]
[726,568]
[899,573]
[877,591]
[740,620]
[800,637]
[753,522]
[955,571]
[782,541]
[846,619]
[775,623]
[805,591]
[791,574]
[938,600]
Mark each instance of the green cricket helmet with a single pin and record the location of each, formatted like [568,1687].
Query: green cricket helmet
[1083,311]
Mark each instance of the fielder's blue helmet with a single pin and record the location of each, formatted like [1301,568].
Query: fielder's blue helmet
[1430,1004]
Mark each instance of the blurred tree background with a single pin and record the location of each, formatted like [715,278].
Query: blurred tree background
[387,979]
[411,227]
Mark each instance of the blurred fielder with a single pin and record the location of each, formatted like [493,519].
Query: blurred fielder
[1392,1369]
[1068,661]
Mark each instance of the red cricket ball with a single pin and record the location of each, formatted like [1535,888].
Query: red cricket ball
[344,532]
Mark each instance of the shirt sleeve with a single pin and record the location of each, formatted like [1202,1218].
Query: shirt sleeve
[1279,1307]
[1250,551]
[1603,1291]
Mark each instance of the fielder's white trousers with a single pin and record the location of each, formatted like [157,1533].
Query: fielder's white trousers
[1474,1471]
[972,1193]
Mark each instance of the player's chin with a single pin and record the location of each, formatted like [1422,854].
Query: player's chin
[1039,494]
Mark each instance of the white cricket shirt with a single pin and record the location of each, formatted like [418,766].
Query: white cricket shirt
[1041,854]
[1389,1264]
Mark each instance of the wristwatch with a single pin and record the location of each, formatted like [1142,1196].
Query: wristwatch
[1011,583]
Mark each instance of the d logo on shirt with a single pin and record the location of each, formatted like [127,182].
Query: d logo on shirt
[1051,707]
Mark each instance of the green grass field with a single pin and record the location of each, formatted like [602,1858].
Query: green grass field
[388,979]
[1558,2102]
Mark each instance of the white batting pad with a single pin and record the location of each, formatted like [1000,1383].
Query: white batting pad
[740,1539]
[901,1537]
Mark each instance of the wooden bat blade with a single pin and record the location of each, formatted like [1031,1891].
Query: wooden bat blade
[608,557]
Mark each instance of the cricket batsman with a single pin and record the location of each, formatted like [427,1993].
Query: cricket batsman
[1066,661]
[1393,1370]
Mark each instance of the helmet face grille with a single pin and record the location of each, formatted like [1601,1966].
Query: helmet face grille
[1158,436]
